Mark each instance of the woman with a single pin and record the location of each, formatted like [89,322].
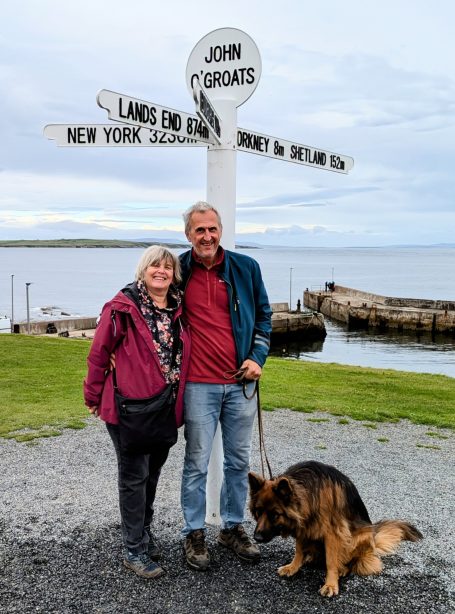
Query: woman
[142,325]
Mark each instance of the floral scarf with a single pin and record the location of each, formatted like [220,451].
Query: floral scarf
[159,322]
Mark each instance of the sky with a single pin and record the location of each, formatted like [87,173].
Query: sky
[374,81]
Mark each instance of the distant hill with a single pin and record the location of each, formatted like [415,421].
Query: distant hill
[86,243]
[107,243]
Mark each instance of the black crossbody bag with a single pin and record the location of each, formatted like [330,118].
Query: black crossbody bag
[150,422]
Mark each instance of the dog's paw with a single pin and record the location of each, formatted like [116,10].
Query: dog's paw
[344,571]
[329,590]
[288,570]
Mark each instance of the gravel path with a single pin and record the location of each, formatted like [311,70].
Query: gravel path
[60,548]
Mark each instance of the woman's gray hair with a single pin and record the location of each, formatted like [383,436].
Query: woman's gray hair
[152,256]
[199,207]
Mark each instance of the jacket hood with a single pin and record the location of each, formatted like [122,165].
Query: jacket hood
[128,298]
[125,299]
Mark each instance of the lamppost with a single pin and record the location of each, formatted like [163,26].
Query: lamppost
[290,289]
[12,303]
[27,284]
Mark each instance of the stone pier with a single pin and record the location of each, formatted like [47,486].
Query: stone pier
[307,324]
[360,309]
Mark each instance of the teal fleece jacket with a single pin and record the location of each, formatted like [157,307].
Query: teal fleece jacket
[251,315]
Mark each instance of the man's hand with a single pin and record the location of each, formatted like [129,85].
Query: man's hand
[93,410]
[252,369]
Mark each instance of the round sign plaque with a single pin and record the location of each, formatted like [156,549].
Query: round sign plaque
[227,63]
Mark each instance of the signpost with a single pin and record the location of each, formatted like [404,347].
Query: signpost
[273,147]
[228,65]
[206,111]
[144,114]
[223,71]
[124,135]
[114,135]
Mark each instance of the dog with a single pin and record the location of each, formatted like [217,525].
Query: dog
[321,508]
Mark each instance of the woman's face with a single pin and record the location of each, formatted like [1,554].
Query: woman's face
[158,277]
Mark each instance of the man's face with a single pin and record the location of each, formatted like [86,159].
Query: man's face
[205,235]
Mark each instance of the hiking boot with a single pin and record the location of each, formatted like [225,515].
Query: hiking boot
[238,541]
[196,552]
[153,549]
[142,565]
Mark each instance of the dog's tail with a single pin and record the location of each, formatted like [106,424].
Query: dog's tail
[389,533]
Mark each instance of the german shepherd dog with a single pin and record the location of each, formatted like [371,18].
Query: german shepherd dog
[322,509]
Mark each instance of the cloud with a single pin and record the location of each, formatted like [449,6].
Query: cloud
[347,79]
[69,229]
[27,191]
[298,236]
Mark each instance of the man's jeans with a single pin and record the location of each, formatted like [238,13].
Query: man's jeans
[137,481]
[205,405]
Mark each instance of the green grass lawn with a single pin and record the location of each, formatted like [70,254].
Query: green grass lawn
[41,384]
[358,392]
[41,389]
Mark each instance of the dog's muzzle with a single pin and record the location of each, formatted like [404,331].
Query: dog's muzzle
[263,537]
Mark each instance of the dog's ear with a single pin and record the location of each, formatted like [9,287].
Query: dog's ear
[256,482]
[283,490]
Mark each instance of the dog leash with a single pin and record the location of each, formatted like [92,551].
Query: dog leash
[239,376]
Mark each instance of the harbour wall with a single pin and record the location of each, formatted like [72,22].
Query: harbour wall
[42,327]
[284,322]
[393,301]
[360,309]
[306,324]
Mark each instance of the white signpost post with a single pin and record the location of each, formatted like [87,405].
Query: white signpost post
[223,71]
[227,64]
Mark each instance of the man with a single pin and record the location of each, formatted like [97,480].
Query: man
[229,315]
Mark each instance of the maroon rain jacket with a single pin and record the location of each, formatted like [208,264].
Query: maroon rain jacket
[123,330]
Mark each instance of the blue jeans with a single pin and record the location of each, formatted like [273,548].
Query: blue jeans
[205,405]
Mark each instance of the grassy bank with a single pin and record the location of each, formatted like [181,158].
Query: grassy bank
[360,393]
[41,384]
[41,389]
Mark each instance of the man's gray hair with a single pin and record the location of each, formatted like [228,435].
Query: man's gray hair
[200,207]
[152,256]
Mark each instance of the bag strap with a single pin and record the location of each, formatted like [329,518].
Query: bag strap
[176,340]
[175,343]
[114,379]
[114,324]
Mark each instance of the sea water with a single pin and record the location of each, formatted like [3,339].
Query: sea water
[79,281]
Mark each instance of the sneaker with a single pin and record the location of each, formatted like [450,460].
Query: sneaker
[238,541]
[142,565]
[152,548]
[197,555]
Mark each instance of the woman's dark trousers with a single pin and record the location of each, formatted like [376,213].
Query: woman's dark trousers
[137,481]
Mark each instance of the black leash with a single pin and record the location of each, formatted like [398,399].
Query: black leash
[239,376]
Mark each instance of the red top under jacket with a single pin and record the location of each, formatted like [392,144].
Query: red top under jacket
[206,307]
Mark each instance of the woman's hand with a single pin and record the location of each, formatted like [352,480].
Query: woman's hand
[93,410]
